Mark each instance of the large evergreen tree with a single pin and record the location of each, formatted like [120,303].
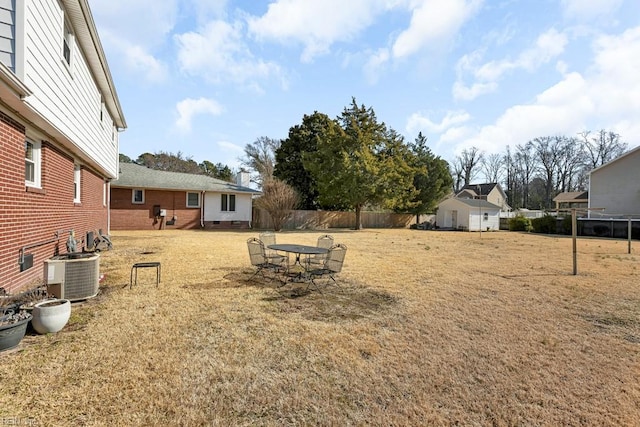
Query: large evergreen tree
[303,138]
[355,163]
[432,178]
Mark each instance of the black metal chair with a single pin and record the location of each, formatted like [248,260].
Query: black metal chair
[260,260]
[331,266]
[269,238]
[325,241]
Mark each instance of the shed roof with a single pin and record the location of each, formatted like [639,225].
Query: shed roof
[476,203]
[572,197]
[137,176]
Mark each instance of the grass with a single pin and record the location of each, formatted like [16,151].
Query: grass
[426,328]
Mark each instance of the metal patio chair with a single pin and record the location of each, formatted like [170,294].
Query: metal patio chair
[332,265]
[260,260]
[325,241]
[269,238]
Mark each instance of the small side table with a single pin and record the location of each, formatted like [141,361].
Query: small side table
[138,265]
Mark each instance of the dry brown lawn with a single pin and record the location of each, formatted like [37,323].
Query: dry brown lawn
[426,328]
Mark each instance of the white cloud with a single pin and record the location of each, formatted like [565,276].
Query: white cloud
[230,146]
[420,122]
[219,54]
[145,64]
[589,10]
[122,19]
[607,96]
[315,24]
[434,23]
[375,63]
[188,108]
[129,43]
[208,9]
[547,47]
[468,93]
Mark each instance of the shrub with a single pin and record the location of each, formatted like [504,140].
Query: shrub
[546,224]
[519,223]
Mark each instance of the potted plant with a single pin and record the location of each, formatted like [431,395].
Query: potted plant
[13,324]
[32,296]
[51,316]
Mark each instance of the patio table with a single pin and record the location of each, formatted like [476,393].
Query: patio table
[299,251]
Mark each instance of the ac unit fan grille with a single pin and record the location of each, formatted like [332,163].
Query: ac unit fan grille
[81,279]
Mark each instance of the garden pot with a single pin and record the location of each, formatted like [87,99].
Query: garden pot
[51,315]
[12,333]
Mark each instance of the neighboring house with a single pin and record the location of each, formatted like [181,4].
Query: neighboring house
[615,186]
[59,123]
[572,199]
[468,214]
[147,199]
[491,192]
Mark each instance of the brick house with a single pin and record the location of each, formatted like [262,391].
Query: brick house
[148,199]
[59,123]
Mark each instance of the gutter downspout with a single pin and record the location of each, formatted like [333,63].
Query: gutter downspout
[202,211]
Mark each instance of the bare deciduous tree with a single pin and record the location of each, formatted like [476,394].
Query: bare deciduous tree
[492,166]
[602,147]
[467,164]
[260,157]
[278,200]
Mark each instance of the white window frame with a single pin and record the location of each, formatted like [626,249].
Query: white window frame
[225,203]
[133,196]
[197,193]
[77,181]
[35,160]
[67,43]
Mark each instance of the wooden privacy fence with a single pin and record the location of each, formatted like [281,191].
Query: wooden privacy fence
[331,219]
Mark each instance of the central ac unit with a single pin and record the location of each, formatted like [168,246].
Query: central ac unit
[74,276]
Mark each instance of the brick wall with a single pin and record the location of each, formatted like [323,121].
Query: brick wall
[126,215]
[33,216]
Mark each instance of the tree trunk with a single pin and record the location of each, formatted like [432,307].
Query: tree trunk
[358,217]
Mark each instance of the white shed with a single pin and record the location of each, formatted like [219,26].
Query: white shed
[468,214]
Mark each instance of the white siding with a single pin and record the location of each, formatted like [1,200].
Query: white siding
[616,187]
[7,33]
[67,96]
[467,217]
[212,207]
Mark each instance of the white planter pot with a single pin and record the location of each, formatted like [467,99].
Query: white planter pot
[51,316]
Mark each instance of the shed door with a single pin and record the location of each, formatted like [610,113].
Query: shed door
[454,219]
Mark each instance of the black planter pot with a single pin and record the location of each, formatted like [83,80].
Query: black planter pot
[12,334]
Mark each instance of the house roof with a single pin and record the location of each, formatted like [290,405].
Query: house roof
[136,176]
[476,203]
[484,188]
[572,197]
[628,153]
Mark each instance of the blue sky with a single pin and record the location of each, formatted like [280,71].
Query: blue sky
[207,77]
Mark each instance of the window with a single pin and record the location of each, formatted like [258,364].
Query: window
[228,203]
[32,164]
[193,200]
[137,196]
[67,43]
[76,184]
[485,216]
